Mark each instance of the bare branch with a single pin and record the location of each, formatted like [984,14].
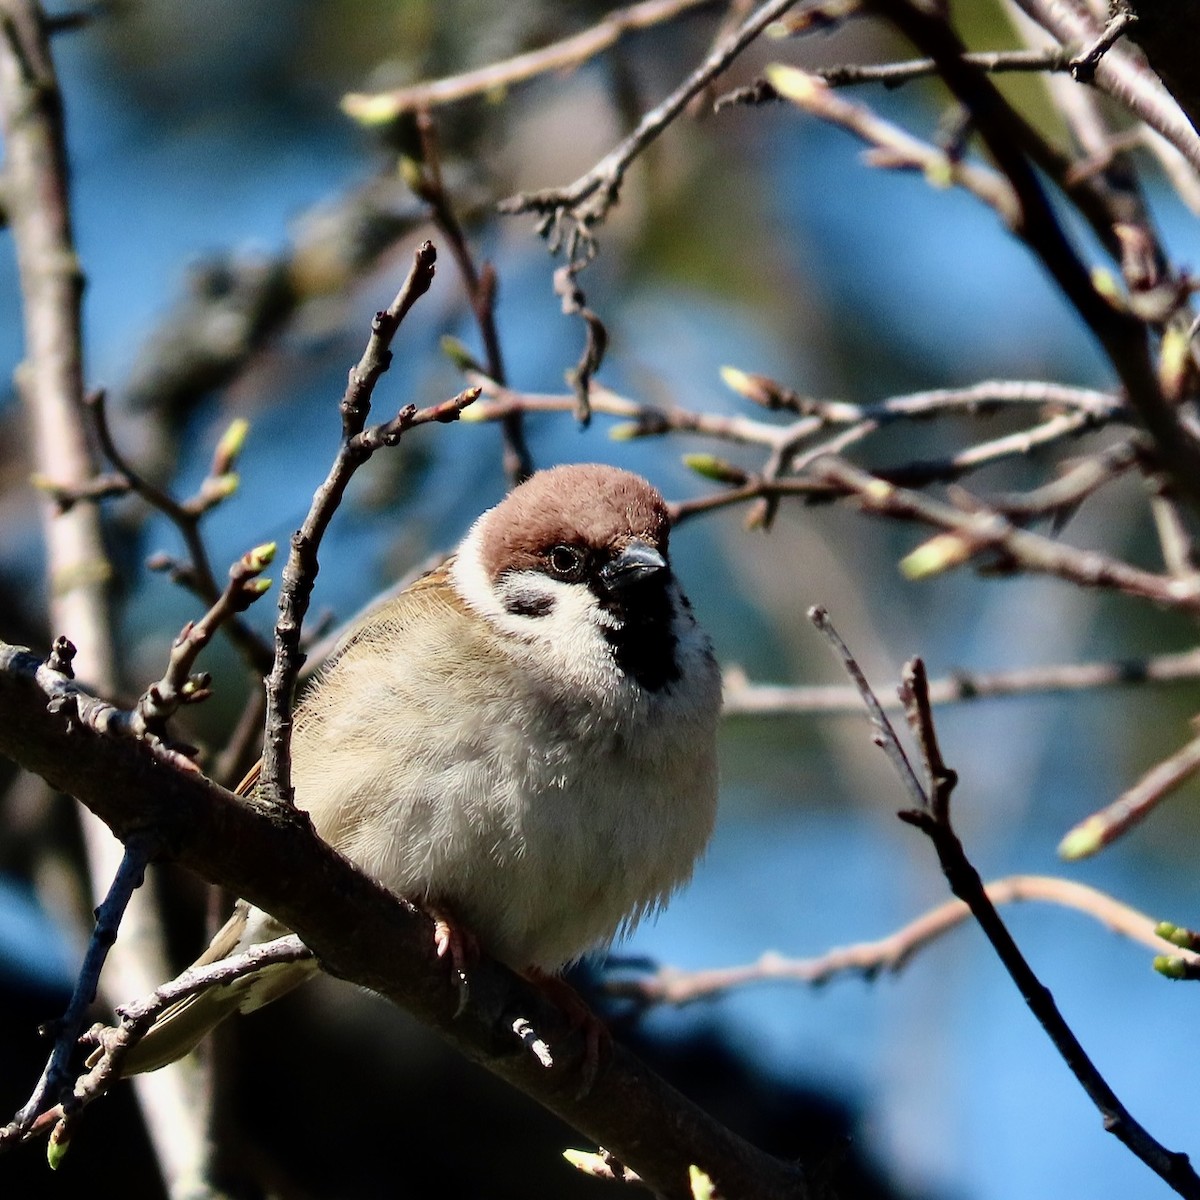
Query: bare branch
[743,698]
[888,955]
[894,148]
[1089,408]
[480,284]
[895,74]
[1083,65]
[1120,75]
[379,107]
[585,203]
[884,736]
[299,575]
[56,1075]
[978,530]
[359,931]
[114,1043]
[1122,335]
[178,686]
[1101,829]
[218,484]
[932,818]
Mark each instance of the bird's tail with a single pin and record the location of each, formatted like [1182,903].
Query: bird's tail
[181,1027]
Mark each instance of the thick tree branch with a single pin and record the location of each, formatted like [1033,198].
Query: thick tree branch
[268,854]
[1168,31]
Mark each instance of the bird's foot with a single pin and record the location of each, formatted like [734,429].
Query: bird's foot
[459,945]
[597,1039]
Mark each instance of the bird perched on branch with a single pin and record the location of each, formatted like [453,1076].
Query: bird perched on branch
[523,741]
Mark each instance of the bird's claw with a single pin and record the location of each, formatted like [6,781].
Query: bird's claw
[452,941]
[597,1039]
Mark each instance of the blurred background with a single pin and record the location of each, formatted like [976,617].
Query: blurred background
[222,198]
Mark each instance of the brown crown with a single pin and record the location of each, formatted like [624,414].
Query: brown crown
[600,507]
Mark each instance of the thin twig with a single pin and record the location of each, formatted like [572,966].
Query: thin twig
[1174,537]
[219,483]
[1083,65]
[743,698]
[177,685]
[480,284]
[113,1043]
[1122,335]
[586,202]
[378,107]
[1093,408]
[1103,828]
[358,444]
[147,720]
[1062,496]
[1013,445]
[884,736]
[888,955]
[574,304]
[895,74]
[978,530]
[138,852]
[894,148]
[932,817]
[299,575]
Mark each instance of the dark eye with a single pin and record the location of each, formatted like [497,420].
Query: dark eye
[565,561]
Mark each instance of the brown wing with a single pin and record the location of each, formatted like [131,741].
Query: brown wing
[181,1026]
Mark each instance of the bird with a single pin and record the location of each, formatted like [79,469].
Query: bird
[522,741]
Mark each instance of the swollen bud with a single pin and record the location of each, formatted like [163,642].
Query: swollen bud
[412,174]
[230,446]
[260,557]
[369,110]
[589,1163]
[1174,363]
[458,353]
[794,84]
[939,554]
[626,431]
[701,1184]
[756,388]
[221,487]
[57,1146]
[1177,935]
[716,469]
[1086,839]
[1105,282]
[1171,967]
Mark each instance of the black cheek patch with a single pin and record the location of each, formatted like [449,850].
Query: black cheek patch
[529,605]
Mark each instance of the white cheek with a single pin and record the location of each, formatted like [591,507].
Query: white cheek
[567,638]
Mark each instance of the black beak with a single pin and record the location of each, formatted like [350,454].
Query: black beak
[635,564]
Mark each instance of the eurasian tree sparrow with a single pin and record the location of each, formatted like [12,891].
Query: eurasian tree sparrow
[523,740]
